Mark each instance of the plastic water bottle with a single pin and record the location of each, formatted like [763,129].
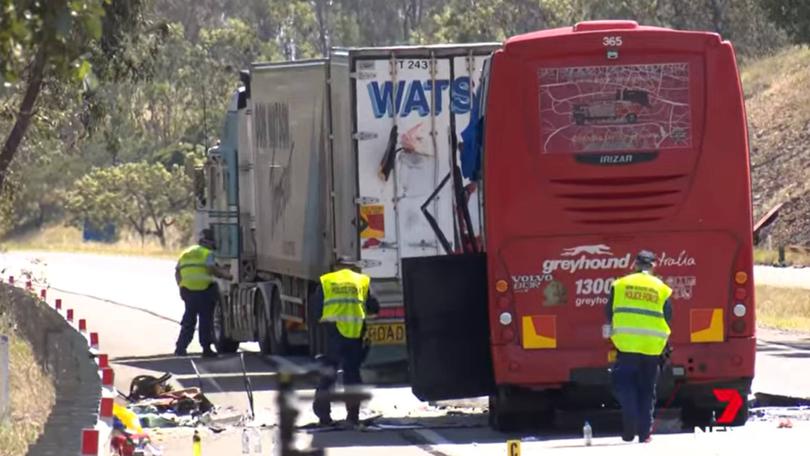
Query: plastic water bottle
[196,444]
[587,433]
[245,441]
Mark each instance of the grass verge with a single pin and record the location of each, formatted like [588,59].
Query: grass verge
[32,395]
[59,238]
[783,308]
[771,257]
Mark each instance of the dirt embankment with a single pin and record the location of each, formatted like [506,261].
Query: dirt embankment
[778,107]
[32,393]
[56,389]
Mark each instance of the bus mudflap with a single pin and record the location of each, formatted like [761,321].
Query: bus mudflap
[447,326]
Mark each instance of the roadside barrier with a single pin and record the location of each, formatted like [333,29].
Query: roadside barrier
[85,389]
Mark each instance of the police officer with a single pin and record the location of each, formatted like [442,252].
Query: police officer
[639,315]
[345,299]
[194,274]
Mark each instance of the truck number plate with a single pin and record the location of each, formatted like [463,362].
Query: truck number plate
[386,333]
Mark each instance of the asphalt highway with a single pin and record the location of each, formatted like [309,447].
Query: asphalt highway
[134,305]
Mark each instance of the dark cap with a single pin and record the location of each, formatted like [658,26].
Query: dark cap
[207,237]
[346,263]
[645,258]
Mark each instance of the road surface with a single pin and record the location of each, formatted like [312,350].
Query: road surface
[133,303]
[782,277]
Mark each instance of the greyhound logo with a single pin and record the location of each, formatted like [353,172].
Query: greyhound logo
[598,249]
[584,257]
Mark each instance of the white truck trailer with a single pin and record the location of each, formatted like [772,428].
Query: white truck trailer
[333,160]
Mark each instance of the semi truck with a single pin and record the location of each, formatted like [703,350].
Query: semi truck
[567,203]
[329,161]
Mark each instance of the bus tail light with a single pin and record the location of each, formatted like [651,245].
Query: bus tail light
[742,305]
[505,318]
[740,294]
[504,312]
[739,310]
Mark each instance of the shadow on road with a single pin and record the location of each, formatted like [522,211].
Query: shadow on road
[224,374]
[802,354]
[799,344]
[216,375]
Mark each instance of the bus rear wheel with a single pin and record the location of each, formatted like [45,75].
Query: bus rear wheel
[512,410]
[693,416]
[500,418]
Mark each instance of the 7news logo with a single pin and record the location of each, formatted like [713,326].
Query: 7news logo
[734,403]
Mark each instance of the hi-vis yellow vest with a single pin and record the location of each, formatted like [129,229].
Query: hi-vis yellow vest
[193,270]
[344,295]
[638,323]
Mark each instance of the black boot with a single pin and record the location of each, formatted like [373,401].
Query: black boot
[353,414]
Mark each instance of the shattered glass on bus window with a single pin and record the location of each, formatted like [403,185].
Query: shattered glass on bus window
[615,108]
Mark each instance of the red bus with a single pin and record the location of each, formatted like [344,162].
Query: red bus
[600,140]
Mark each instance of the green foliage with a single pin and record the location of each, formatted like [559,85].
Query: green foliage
[145,197]
[61,29]
[156,75]
[792,15]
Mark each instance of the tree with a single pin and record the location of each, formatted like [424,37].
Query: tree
[147,198]
[792,15]
[488,20]
[49,39]
[52,36]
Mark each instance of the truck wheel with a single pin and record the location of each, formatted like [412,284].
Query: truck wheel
[222,342]
[278,330]
[579,120]
[315,332]
[263,324]
[631,118]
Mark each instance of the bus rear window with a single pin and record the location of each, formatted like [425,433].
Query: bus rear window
[616,108]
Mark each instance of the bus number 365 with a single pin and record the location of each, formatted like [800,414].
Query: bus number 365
[594,286]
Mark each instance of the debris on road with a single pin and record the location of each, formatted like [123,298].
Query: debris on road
[154,403]
[147,386]
[775,400]
[128,436]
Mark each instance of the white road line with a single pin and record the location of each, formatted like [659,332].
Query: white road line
[226,375]
[432,437]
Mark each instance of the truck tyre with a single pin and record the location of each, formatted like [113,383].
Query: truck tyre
[631,118]
[278,330]
[221,341]
[263,325]
[579,119]
[315,331]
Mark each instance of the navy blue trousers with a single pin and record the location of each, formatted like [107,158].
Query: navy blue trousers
[634,378]
[199,304]
[344,353]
